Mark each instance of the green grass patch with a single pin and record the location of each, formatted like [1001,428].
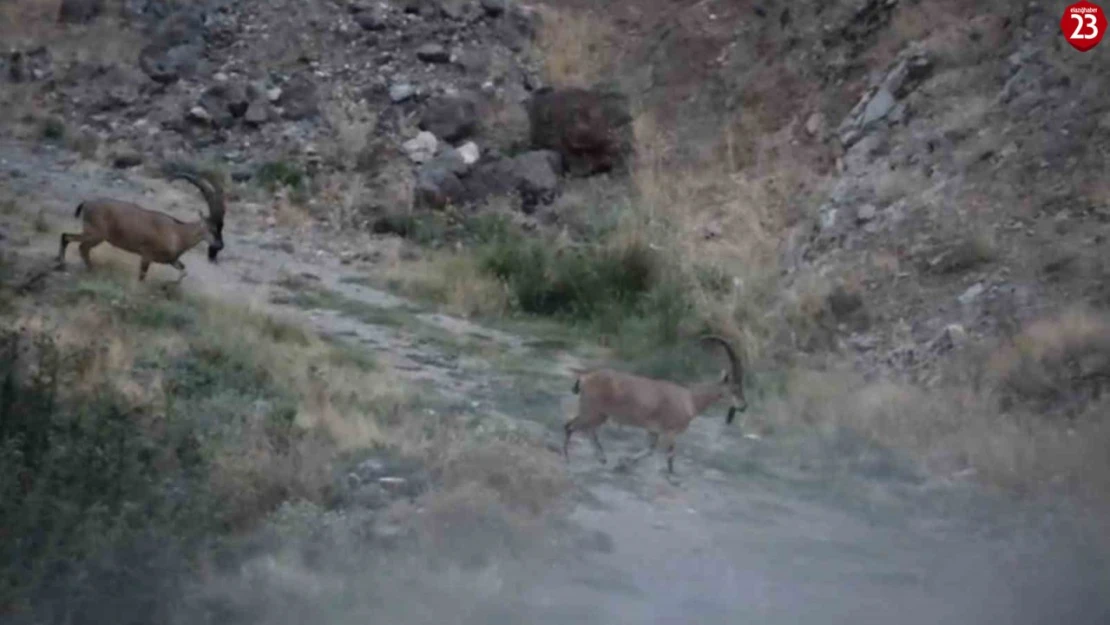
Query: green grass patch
[616,290]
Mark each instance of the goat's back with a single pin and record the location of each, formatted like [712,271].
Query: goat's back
[128,225]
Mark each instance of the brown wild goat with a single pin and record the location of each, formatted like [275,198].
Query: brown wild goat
[663,408]
[154,236]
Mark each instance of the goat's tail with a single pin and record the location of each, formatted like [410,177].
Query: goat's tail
[80,207]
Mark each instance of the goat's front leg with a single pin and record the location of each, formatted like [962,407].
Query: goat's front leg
[180,266]
[597,446]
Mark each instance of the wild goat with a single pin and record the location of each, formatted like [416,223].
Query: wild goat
[663,408]
[154,236]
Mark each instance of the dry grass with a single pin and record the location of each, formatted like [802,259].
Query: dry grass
[454,281]
[1062,359]
[25,21]
[954,432]
[578,48]
[289,213]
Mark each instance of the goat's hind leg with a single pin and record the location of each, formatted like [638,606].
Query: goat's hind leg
[86,246]
[653,442]
[63,243]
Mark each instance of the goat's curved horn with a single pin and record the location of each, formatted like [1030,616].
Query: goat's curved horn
[213,193]
[737,369]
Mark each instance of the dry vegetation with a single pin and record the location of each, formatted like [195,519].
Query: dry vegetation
[1023,417]
[243,410]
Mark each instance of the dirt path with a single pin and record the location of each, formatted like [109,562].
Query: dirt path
[749,534]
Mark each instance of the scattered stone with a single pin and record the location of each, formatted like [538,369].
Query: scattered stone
[400,92]
[421,148]
[494,8]
[273,94]
[469,152]
[972,293]
[79,11]
[258,113]
[373,20]
[815,123]
[126,159]
[536,176]
[437,184]
[953,336]
[452,118]
[200,115]
[877,108]
[433,53]
[865,213]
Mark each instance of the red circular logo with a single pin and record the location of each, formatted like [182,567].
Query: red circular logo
[1083,25]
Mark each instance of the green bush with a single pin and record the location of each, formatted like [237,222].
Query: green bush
[275,174]
[607,286]
[87,511]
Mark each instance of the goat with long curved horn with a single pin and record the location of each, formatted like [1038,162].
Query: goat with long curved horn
[663,408]
[156,237]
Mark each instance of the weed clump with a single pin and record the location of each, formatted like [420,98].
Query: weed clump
[605,284]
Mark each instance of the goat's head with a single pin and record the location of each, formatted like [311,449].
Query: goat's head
[217,205]
[732,379]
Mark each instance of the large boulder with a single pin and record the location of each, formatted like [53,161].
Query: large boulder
[437,181]
[79,11]
[591,129]
[534,176]
[451,118]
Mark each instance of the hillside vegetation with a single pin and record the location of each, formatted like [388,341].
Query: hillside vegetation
[895,208]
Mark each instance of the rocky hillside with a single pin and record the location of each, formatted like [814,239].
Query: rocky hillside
[893,181]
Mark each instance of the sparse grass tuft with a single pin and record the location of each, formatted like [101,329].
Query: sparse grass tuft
[52,129]
[952,431]
[577,47]
[276,174]
[1056,362]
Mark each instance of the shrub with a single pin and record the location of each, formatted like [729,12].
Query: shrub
[276,174]
[91,506]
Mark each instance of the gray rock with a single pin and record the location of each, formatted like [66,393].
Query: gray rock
[452,118]
[437,185]
[469,152]
[373,20]
[199,114]
[225,102]
[421,148]
[972,293]
[79,11]
[536,176]
[865,213]
[494,8]
[877,108]
[433,53]
[400,92]
[258,113]
[126,159]
[815,123]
